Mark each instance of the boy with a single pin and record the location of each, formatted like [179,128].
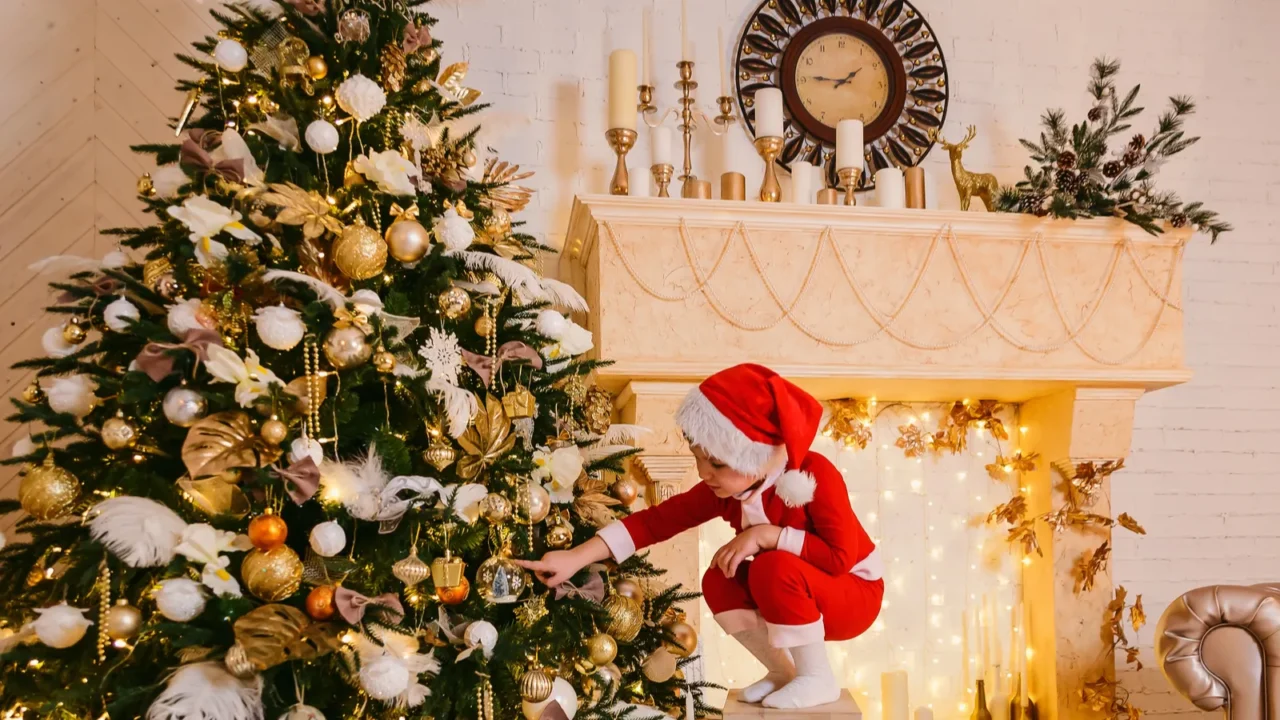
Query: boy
[801,570]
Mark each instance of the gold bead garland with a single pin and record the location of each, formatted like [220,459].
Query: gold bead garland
[484,699]
[311,365]
[104,607]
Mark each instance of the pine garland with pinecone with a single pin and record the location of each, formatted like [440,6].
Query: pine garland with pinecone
[1077,175]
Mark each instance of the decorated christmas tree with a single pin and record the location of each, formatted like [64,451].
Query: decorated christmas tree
[289,437]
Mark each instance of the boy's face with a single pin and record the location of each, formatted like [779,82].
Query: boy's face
[723,480]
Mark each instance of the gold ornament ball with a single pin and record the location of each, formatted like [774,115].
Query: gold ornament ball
[168,286]
[602,648]
[47,491]
[469,158]
[533,502]
[407,240]
[440,454]
[560,535]
[320,603]
[347,347]
[274,431]
[360,253]
[630,588]
[268,531]
[33,393]
[317,68]
[123,621]
[74,333]
[384,362]
[686,640]
[498,224]
[272,575]
[660,666]
[495,508]
[626,617]
[145,187]
[119,434]
[484,326]
[454,595]
[535,685]
[625,491]
[454,303]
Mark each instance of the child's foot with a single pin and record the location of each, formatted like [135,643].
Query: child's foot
[762,688]
[804,692]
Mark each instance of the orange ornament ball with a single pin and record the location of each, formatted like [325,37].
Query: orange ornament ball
[320,603]
[454,595]
[268,531]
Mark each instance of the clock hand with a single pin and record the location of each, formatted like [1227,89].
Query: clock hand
[848,78]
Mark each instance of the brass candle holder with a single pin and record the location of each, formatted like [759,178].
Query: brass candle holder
[689,115]
[662,173]
[621,140]
[770,189]
[851,178]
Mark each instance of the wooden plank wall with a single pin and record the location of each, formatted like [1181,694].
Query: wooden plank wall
[84,80]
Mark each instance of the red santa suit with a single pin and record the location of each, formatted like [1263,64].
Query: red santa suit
[824,580]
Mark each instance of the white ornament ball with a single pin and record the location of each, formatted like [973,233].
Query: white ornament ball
[180,599]
[453,231]
[116,258]
[561,692]
[119,314]
[186,315]
[305,447]
[482,633]
[184,406]
[322,137]
[384,677]
[22,447]
[279,327]
[71,394]
[328,538]
[54,345]
[551,324]
[361,97]
[167,180]
[302,712]
[231,55]
[60,626]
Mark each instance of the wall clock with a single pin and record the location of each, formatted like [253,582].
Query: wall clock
[874,60]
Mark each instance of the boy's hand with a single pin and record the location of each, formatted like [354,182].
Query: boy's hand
[748,543]
[554,568]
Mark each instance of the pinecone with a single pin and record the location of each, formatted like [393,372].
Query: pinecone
[1132,157]
[1068,181]
[394,64]
[1180,220]
[598,410]
[1095,114]
[1138,142]
[1066,160]
[1112,169]
[1031,203]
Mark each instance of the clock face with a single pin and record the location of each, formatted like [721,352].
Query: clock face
[842,76]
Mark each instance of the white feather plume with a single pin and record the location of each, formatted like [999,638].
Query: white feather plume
[622,433]
[64,265]
[327,293]
[139,531]
[357,484]
[597,453]
[562,295]
[206,691]
[510,272]
[460,405]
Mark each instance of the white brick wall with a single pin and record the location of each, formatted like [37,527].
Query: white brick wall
[1204,470]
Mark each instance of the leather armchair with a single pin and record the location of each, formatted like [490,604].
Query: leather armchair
[1220,647]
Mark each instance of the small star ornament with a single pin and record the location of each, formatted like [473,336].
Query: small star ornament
[532,610]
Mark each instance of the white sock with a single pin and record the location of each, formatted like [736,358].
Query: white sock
[776,660]
[814,683]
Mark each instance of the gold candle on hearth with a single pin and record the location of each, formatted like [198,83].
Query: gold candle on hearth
[915,188]
[733,186]
[701,190]
[829,196]
[770,188]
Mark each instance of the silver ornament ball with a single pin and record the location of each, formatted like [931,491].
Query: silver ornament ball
[347,347]
[184,406]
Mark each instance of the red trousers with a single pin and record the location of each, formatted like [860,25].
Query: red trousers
[799,602]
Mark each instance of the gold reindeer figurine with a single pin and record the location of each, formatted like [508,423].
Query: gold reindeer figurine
[971,185]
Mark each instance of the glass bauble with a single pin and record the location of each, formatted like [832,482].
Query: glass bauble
[320,603]
[119,434]
[535,685]
[533,502]
[455,595]
[274,431]
[626,617]
[360,252]
[123,621]
[440,454]
[411,570]
[625,490]
[272,575]
[347,347]
[499,580]
[495,508]
[407,240]
[48,492]
[660,666]
[184,406]
[686,639]
[630,587]
[268,531]
[454,303]
[317,68]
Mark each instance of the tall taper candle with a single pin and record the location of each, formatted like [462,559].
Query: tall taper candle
[802,182]
[983,621]
[684,32]
[647,50]
[849,145]
[1014,665]
[1023,661]
[622,90]
[768,112]
[997,649]
[893,695]
[966,652]
[722,50]
[661,140]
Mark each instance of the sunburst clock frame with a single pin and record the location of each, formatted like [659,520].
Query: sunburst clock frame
[877,61]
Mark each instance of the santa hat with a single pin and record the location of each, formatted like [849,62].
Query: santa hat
[743,416]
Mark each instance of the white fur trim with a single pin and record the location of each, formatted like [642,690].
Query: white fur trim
[741,620]
[796,488]
[789,636]
[710,430]
[870,567]
[618,538]
[791,540]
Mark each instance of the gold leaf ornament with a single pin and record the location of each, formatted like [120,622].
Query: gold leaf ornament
[1137,615]
[850,423]
[593,501]
[450,85]
[486,441]
[1127,522]
[911,440]
[299,207]
[222,442]
[1011,512]
[275,634]
[216,496]
[508,196]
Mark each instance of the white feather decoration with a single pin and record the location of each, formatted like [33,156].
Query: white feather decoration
[562,294]
[206,691]
[326,292]
[139,531]
[357,484]
[460,405]
[622,433]
[64,265]
[596,453]
[510,272]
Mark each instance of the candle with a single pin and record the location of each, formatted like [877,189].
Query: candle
[893,695]
[661,138]
[646,28]
[622,90]
[724,75]
[891,192]
[802,182]
[768,112]
[997,651]
[915,187]
[849,146]
[685,54]
[638,186]
[983,619]
[1023,617]
[965,653]
[1014,664]
[924,713]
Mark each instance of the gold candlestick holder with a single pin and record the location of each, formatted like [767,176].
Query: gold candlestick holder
[851,178]
[770,189]
[689,114]
[662,173]
[621,140]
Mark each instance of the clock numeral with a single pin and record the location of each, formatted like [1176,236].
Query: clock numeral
[841,43]
[805,79]
[824,114]
[808,61]
[822,47]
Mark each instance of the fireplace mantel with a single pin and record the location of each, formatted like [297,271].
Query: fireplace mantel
[1075,320]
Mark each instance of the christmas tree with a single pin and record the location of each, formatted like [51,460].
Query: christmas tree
[290,436]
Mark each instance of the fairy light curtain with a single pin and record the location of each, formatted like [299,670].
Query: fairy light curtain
[927,514]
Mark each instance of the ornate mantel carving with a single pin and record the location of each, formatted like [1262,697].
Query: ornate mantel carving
[1075,320]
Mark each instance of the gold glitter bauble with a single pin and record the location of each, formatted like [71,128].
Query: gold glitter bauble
[625,490]
[602,648]
[274,431]
[347,347]
[360,253]
[495,508]
[48,492]
[483,326]
[498,224]
[454,303]
[535,685]
[499,580]
[686,640]
[268,531]
[533,502]
[626,617]
[384,362]
[411,570]
[123,621]
[273,575]
[317,68]
[407,240]
[631,588]
[119,434]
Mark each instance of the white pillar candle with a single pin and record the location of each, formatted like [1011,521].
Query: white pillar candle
[638,181]
[983,619]
[685,53]
[924,713]
[622,90]
[891,192]
[849,146]
[893,695]
[769,112]
[802,182]
[646,30]
[661,139]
